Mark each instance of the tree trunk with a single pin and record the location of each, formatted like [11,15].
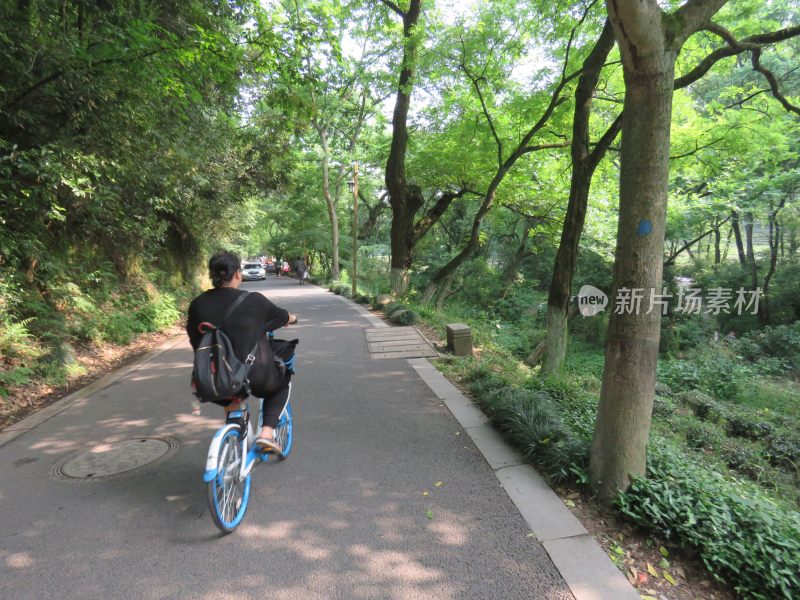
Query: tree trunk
[649,41]
[775,230]
[584,163]
[326,193]
[444,294]
[717,251]
[619,447]
[737,233]
[727,245]
[405,200]
[513,266]
[751,257]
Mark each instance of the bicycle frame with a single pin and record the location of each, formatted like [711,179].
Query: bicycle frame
[252,453]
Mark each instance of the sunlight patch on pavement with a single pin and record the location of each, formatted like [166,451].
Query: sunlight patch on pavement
[395,565]
[19,560]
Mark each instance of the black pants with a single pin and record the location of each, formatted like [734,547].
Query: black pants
[273,405]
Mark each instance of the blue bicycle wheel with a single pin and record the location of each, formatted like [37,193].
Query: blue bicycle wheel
[283,432]
[228,493]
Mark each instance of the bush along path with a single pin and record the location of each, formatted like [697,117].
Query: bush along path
[68,341]
[746,538]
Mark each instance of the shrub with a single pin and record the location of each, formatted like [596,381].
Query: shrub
[159,313]
[390,308]
[682,331]
[119,329]
[531,421]
[741,536]
[16,342]
[363,299]
[784,451]
[702,436]
[16,377]
[703,406]
[404,317]
[714,371]
[745,426]
[740,456]
[780,343]
[663,390]
[341,289]
[663,407]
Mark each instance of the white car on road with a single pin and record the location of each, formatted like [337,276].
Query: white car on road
[253,270]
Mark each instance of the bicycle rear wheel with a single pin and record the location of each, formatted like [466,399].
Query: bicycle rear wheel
[228,494]
[283,431]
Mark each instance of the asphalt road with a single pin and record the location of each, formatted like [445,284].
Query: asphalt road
[343,517]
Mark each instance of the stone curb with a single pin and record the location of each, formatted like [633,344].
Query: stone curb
[584,565]
[20,428]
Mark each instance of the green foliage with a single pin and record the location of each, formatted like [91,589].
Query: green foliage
[744,425]
[16,342]
[404,317]
[530,419]
[681,331]
[703,436]
[341,289]
[393,307]
[15,377]
[741,457]
[773,350]
[783,450]
[713,370]
[742,537]
[703,406]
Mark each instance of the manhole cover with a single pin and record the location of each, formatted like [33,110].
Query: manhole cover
[114,458]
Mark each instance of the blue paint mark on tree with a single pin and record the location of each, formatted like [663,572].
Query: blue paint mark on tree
[645,227]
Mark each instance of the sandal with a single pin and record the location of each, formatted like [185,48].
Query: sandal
[268,445]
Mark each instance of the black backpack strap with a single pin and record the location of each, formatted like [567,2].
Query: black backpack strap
[251,357]
[233,307]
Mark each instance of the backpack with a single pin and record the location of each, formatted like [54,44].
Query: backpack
[218,373]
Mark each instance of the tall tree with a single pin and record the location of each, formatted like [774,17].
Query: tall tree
[584,162]
[649,40]
[405,198]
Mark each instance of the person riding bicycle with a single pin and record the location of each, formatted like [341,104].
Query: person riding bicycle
[250,321]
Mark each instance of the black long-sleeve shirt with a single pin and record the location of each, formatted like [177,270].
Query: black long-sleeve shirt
[248,323]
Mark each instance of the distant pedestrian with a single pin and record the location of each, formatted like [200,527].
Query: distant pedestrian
[301,269]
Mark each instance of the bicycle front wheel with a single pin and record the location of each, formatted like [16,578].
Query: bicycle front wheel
[283,431]
[228,493]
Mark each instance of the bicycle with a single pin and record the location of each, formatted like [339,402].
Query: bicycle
[232,456]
